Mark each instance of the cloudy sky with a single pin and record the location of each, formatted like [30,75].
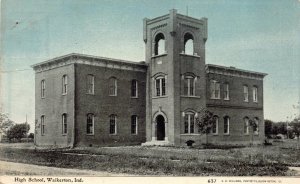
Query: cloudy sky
[258,35]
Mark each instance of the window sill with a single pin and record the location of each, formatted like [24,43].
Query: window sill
[186,96]
[134,134]
[134,97]
[246,101]
[215,98]
[112,95]
[246,134]
[159,97]
[226,134]
[160,55]
[90,93]
[190,134]
[183,54]
[215,134]
[90,134]
[64,94]
[255,101]
[226,99]
[42,97]
[112,134]
[64,134]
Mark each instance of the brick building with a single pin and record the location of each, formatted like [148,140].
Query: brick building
[84,100]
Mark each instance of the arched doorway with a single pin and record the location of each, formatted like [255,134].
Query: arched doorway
[160,122]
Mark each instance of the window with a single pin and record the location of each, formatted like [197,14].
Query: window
[160,86]
[189,86]
[214,89]
[64,84]
[43,88]
[254,94]
[189,123]
[159,46]
[226,91]
[246,94]
[113,86]
[134,88]
[43,125]
[246,125]
[256,126]
[188,44]
[226,125]
[90,124]
[64,124]
[90,84]
[134,124]
[215,125]
[113,124]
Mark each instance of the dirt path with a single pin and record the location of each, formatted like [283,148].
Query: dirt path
[12,168]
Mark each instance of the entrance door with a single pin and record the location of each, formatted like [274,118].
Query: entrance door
[160,120]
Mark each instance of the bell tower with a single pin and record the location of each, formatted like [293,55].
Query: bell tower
[175,54]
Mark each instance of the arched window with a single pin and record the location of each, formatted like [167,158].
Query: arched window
[214,89]
[159,46]
[90,124]
[160,86]
[134,124]
[189,85]
[113,86]
[43,88]
[112,124]
[246,93]
[188,44]
[64,124]
[256,126]
[43,125]
[226,125]
[64,84]
[134,88]
[189,123]
[215,125]
[90,84]
[246,125]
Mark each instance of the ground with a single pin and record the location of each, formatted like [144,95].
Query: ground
[260,160]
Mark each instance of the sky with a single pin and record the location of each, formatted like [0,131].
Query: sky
[257,35]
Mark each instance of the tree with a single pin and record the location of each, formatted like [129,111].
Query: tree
[205,122]
[18,131]
[268,128]
[295,124]
[5,123]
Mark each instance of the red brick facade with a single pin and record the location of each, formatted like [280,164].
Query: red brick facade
[115,102]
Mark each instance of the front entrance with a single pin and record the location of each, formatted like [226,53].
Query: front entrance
[161,133]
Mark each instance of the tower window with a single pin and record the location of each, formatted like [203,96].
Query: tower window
[113,86]
[113,124]
[214,89]
[90,124]
[134,88]
[188,44]
[159,45]
[160,86]
[43,88]
[64,84]
[90,84]
[189,123]
[189,85]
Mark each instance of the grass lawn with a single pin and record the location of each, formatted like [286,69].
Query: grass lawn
[257,160]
